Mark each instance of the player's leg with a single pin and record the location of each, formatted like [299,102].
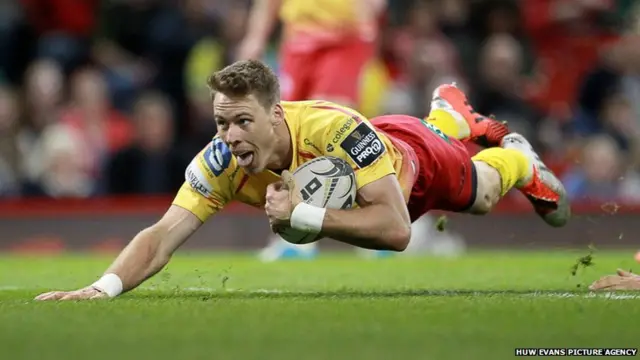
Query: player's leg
[338,72]
[509,162]
[452,113]
[516,165]
[295,74]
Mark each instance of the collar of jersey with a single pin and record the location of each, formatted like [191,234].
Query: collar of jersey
[294,145]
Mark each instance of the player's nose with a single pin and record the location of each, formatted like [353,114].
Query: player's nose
[233,135]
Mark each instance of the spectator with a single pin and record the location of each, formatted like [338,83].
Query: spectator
[431,59]
[151,165]
[601,174]
[10,157]
[65,166]
[500,90]
[63,29]
[100,129]
[43,98]
[609,96]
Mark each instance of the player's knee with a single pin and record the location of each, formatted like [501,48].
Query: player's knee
[488,189]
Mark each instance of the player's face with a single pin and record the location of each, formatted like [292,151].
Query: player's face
[248,129]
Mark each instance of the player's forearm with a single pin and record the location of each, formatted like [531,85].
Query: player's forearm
[141,259]
[376,227]
[263,18]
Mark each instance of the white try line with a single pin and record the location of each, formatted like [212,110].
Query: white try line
[535,294]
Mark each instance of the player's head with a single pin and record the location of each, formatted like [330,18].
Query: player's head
[247,111]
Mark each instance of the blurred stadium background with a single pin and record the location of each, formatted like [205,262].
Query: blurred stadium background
[104,103]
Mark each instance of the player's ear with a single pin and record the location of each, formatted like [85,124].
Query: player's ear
[278,114]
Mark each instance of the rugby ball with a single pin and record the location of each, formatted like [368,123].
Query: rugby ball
[326,182]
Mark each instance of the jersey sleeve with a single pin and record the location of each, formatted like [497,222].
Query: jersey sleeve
[206,189]
[351,137]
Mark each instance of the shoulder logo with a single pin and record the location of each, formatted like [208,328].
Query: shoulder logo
[197,180]
[340,133]
[217,156]
[363,145]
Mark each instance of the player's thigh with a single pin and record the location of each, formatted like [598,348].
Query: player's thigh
[446,178]
[487,189]
[338,72]
[296,70]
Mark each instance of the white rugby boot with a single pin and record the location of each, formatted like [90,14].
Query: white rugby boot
[543,189]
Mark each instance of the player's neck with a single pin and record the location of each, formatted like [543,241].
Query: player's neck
[283,152]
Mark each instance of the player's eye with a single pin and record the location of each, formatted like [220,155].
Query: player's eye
[244,121]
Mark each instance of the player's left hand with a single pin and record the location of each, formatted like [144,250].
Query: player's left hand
[87,293]
[282,197]
[623,280]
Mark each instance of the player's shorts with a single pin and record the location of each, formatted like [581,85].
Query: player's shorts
[331,72]
[445,178]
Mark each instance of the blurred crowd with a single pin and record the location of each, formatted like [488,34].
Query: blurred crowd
[109,97]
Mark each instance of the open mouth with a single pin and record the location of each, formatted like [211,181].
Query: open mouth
[245,159]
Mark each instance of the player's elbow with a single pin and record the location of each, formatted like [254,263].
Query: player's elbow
[399,236]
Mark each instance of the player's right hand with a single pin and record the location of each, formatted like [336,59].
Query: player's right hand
[87,293]
[623,280]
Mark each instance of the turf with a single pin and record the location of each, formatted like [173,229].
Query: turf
[479,306]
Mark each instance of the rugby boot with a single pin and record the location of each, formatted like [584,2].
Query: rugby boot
[543,189]
[482,130]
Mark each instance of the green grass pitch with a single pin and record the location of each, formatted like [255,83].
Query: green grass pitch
[479,306]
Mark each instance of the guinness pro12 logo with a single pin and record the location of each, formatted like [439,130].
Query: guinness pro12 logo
[363,145]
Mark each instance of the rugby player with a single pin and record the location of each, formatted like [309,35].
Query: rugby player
[326,45]
[404,167]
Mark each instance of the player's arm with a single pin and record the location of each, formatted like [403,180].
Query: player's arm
[147,253]
[381,222]
[262,20]
[151,249]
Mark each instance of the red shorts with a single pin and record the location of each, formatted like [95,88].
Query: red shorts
[446,178]
[331,72]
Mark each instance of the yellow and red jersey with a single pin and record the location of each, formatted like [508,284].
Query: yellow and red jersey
[317,128]
[312,23]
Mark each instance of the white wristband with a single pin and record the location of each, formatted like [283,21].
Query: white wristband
[110,284]
[307,218]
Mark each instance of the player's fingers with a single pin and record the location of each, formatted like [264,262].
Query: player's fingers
[70,296]
[271,189]
[289,182]
[605,282]
[625,273]
[51,295]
